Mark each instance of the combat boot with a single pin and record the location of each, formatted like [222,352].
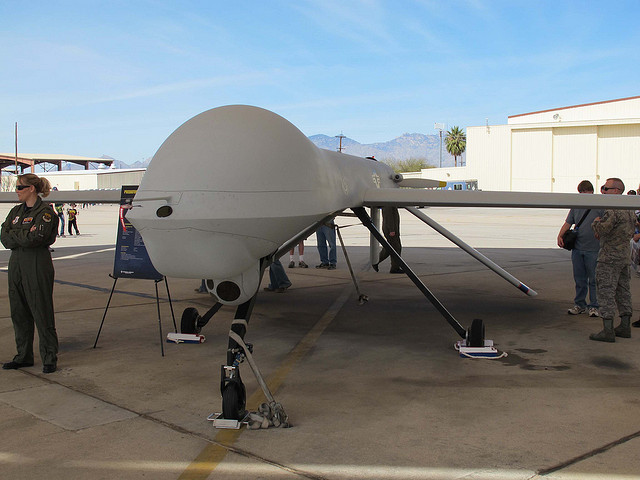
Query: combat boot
[624,329]
[607,334]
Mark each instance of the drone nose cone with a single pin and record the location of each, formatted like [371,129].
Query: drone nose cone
[227,188]
[236,148]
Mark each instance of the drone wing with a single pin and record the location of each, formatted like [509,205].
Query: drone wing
[398,197]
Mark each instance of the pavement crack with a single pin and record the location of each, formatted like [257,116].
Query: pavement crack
[589,454]
[182,430]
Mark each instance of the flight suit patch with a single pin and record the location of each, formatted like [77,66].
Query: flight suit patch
[27,220]
[16,220]
[46,217]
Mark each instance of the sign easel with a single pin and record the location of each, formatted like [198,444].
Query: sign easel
[132,261]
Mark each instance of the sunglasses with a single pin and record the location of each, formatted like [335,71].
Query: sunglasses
[22,187]
[606,189]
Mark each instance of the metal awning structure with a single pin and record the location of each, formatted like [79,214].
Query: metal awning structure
[30,160]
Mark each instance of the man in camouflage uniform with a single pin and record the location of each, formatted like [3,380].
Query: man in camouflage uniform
[614,230]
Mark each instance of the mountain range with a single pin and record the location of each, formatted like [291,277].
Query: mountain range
[404,147]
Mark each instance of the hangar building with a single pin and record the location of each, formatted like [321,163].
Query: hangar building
[553,150]
[94,179]
[98,179]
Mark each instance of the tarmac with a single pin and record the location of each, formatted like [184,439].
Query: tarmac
[374,391]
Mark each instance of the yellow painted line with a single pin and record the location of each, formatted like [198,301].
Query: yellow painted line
[211,456]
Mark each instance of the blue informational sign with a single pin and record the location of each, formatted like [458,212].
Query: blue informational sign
[132,259]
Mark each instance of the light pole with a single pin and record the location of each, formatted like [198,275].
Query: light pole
[341,136]
[439,127]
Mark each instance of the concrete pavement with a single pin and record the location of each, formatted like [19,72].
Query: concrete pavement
[373,391]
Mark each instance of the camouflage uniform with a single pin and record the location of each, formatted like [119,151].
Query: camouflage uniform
[28,232]
[615,229]
[391,223]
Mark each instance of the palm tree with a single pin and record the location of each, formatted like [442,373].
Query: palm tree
[456,142]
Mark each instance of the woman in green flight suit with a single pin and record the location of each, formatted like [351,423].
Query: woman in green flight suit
[28,231]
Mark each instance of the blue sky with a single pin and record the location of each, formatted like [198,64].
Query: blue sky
[117,77]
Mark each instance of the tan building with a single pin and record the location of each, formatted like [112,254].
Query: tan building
[98,179]
[553,150]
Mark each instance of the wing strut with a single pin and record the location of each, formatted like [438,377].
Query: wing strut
[472,251]
[366,221]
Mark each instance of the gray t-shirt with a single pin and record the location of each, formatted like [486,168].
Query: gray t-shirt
[586,241]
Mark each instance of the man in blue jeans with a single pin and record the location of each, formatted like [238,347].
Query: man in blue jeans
[278,280]
[584,256]
[326,234]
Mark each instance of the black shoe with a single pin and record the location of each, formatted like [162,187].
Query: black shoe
[636,324]
[375,266]
[323,265]
[331,267]
[48,368]
[396,270]
[15,365]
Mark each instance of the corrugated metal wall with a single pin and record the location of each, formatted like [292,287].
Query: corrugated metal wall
[554,158]
[93,180]
[117,179]
[531,160]
[619,154]
[575,153]
[72,182]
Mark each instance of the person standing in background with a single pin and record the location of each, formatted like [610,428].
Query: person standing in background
[72,221]
[614,230]
[584,256]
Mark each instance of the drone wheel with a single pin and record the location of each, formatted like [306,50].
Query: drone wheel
[233,402]
[189,322]
[475,335]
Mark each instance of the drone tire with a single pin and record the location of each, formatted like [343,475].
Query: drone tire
[189,321]
[233,401]
[475,335]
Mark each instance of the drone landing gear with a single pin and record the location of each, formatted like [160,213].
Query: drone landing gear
[475,333]
[192,322]
[473,343]
[366,221]
[234,394]
[233,391]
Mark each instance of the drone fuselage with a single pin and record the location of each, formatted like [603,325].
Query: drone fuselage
[233,184]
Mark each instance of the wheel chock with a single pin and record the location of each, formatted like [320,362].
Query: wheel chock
[226,423]
[487,351]
[184,338]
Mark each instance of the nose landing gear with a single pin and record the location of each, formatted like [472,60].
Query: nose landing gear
[234,395]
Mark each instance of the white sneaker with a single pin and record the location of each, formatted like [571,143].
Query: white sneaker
[576,310]
[593,312]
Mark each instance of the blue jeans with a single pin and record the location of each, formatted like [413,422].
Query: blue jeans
[277,276]
[326,235]
[61,217]
[584,274]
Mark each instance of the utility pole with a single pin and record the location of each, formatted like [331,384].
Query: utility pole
[439,127]
[341,136]
[16,158]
